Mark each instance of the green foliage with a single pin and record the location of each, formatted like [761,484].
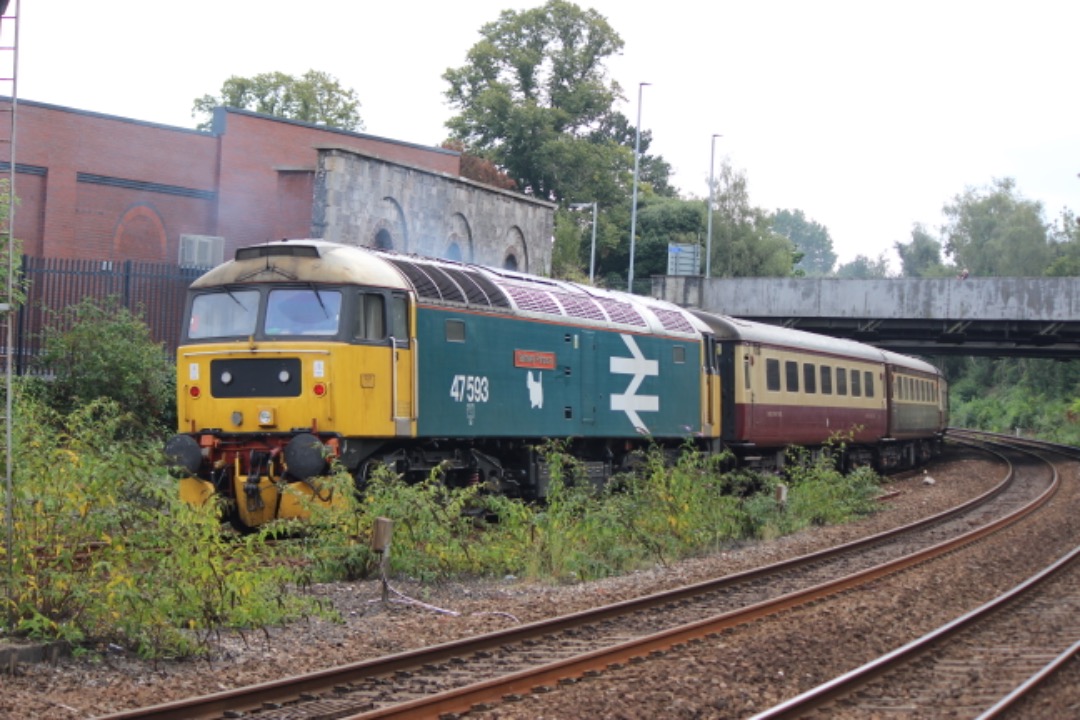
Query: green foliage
[744,243]
[922,256]
[535,99]
[314,97]
[98,350]
[1036,397]
[863,268]
[996,232]
[809,238]
[105,552]
[10,255]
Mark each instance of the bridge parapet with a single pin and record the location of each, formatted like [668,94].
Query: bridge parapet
[1001,316]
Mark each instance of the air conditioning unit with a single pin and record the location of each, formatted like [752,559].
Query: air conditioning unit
[201,251]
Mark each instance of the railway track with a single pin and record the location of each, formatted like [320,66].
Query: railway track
[983,664]
[457,676]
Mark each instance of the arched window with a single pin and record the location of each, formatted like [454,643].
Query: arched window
[383,240]
[453,252]
[510,263]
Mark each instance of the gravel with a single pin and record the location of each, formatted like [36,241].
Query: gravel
[424,614]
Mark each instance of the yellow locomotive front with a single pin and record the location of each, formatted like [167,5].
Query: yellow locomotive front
[294,354]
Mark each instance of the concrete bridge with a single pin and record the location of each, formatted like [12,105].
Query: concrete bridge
[1032,317]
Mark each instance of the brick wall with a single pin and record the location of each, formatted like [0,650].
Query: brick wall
[103,187]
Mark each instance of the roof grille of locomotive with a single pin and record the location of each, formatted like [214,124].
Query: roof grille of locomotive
[451,284]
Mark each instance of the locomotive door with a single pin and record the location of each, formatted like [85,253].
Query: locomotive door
[711,411]
[403,354]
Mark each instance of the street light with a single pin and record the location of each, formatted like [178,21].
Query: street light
[633,210]
[709,209]
[592,252]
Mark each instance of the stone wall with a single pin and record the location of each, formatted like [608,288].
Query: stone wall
[361,199]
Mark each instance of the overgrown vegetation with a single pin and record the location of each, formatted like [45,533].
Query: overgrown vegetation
[103,550]
[106,553]
[101,349]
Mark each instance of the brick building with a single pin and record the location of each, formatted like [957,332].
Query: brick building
[109,188]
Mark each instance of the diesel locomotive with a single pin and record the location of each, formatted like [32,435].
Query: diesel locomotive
[299,352]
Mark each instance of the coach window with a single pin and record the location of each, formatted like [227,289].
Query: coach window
[841,381]
[869,384]
[856,386]
[791,373]
[455,331]
[772,374]
[746,371]
[808,377]
[826,380]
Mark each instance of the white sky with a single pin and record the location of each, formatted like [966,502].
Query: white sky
[867,116]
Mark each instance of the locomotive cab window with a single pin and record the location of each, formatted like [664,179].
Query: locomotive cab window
[303,311]
[678,354]
[223,314]
[370,321]
[399,318]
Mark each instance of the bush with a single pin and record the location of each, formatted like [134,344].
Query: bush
[104,550]
[96,350]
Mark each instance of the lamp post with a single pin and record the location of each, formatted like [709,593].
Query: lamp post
[709,208]
[592,251]
[633,207]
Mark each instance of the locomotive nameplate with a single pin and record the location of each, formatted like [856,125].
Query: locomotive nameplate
[534,359]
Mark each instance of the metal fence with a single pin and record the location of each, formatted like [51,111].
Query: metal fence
[152,291]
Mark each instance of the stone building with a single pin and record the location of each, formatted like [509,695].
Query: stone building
[109,188]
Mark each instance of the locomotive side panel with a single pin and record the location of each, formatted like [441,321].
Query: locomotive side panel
[490,375]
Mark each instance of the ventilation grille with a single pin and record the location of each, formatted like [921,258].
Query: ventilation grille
[580,306]
[673,320]
[447,284]
[533,300]
[621,312]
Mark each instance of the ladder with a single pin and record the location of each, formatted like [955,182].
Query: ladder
[9,66]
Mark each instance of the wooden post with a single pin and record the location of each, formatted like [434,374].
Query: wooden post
[380,543]
[781,494]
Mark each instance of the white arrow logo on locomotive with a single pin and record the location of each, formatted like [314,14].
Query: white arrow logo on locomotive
[640,367]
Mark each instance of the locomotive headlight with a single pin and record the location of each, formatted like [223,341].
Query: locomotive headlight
[226,377]
[284,376]
[237,418]
[266,417]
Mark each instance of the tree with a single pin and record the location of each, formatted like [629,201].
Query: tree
[996,232]
[1066,247]
[810,238]
[536,100]
[315,97]
[743,241]
[922,256]
[864,268]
